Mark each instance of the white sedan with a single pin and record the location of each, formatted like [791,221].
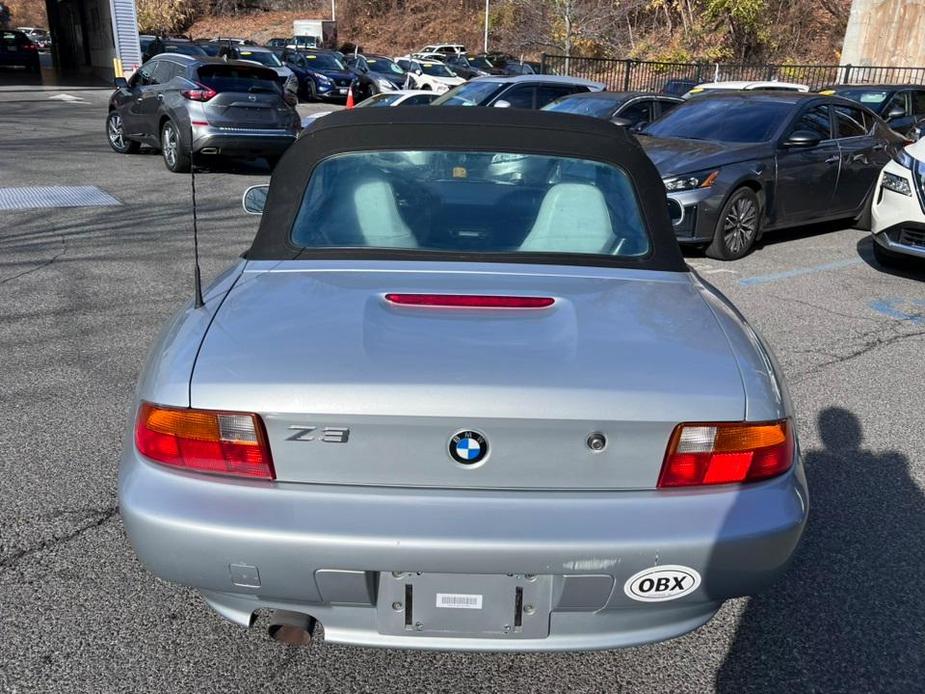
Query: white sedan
[745,85]
[402,97]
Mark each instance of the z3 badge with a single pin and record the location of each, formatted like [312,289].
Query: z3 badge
[660,583]
[323,434]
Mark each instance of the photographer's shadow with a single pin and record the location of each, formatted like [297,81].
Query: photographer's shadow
[849,614]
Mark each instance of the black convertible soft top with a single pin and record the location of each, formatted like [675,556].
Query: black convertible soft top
[468,129]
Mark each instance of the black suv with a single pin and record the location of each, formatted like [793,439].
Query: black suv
[902,106]
[207,106]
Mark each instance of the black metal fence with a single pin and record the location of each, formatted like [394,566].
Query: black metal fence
[627,75]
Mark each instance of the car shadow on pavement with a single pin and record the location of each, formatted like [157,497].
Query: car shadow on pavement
[850,613]
[914,269]
[772,238]
[208,164]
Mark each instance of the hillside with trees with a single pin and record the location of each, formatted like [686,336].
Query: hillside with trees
[751,31]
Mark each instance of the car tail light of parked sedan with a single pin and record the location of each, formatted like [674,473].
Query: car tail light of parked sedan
[504,413]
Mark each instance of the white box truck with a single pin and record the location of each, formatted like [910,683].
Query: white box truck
[314,33]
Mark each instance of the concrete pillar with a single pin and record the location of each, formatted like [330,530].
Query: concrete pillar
[885,33]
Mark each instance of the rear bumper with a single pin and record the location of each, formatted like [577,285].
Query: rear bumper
[319,549]
[242,142]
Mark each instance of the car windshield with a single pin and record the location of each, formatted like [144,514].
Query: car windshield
[873,98]
[211,49]
[237,78]
[596,108]
[436,70]
[471,202]
[473,93]
[384,66]
[267,58]
[379,100]
[481,63]
[723,120]
[325,61]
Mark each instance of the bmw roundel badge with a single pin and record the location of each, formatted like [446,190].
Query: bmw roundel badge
[468,447]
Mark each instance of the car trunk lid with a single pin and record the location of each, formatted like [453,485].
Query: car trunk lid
[356,390]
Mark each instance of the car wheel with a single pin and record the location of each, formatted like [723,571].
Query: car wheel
[115,133]
[738,226]
[176,156]
[311,93]
[425,87]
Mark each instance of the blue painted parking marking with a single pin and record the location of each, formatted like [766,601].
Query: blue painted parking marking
[891,307]
[798,272]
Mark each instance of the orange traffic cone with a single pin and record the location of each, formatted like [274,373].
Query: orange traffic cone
[350,101]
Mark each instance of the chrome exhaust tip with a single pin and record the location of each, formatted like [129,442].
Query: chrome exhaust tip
[291,628]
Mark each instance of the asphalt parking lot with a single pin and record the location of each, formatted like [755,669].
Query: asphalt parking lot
[84,290]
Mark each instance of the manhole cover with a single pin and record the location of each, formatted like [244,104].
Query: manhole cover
[54,196]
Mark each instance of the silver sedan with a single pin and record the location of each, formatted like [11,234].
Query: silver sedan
[463,392]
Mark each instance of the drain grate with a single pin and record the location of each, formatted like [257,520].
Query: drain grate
[54,196]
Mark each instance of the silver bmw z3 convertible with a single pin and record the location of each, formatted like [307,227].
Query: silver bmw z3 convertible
[463,392]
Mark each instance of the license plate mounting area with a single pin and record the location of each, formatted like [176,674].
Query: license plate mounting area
[507,606]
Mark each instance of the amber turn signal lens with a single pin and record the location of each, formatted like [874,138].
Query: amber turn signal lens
[727,453]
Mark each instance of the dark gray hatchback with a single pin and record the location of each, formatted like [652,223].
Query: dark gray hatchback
[186,105]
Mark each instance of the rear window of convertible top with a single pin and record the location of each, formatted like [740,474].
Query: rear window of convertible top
[471,202]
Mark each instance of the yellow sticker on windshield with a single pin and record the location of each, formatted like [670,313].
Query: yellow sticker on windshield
[460,172]
[696,90]
[311,57]
[827,92]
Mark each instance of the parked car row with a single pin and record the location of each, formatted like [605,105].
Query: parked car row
[738,160]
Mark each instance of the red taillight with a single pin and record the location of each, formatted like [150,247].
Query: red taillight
[226,443]
[726,453]
[203,93]
[30,47]
[470,300]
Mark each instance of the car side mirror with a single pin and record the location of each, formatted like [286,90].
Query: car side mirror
[255,198]
[803,138]
[622,122]
[121,83]
[418,71]
[895,111]
[501,103]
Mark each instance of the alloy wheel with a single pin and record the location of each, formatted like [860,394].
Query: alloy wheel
[116,131]
[740,225]
[169,145]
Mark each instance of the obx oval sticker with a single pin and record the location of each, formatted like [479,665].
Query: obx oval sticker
[660,583]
